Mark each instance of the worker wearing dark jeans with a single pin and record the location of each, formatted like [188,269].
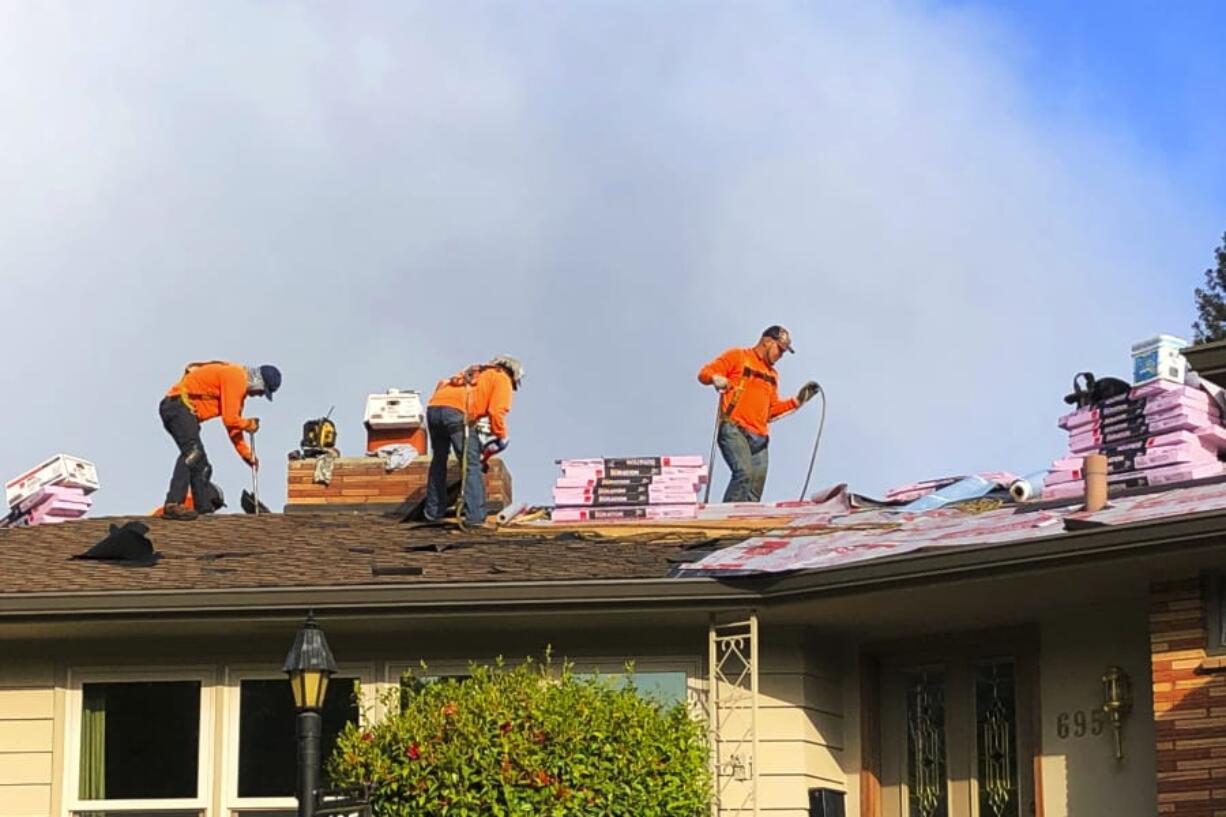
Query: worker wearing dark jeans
[208,390]
[748,456]
[446,427]
[459,403]
[749,401]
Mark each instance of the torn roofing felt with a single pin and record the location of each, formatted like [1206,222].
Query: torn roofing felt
[127,545]
[824,540]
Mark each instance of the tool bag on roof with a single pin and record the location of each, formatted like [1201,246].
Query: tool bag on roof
[318,434]
[1089,391]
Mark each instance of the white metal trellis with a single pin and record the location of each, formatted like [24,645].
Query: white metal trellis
[732,670]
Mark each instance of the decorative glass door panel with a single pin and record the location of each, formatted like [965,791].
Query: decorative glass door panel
[955,734]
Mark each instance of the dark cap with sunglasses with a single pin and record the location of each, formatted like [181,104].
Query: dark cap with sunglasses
[780,336]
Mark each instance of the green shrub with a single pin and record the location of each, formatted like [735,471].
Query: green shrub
[528,741]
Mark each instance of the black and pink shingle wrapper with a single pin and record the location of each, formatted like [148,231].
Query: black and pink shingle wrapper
[612,488]
[1160,433]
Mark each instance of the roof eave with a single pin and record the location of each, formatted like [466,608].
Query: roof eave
[1208,360]
[1138,539]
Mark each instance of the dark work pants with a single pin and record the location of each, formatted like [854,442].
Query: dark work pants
[446,427]
[184,428]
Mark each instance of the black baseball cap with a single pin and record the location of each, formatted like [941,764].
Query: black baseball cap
[781,336]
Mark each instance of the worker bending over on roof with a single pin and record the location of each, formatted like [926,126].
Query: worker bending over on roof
[479,391]
[749,400]
[208,390]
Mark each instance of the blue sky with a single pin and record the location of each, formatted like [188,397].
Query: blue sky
[953,206]
[1151,70]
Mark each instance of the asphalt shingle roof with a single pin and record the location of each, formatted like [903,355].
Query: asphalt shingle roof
[310,550]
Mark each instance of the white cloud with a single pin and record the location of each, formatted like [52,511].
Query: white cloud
[374,195]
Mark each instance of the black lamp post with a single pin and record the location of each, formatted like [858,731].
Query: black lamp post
[309,665]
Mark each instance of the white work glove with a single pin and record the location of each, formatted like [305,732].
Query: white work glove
[807,392]
[719,382]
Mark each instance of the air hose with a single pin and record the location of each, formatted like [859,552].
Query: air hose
[821,426]
[719,418]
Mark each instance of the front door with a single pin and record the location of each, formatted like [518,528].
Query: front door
[956,728]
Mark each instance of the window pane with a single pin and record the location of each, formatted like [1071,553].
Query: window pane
[139,740]
[665,687]
[996,725]
[662,686]
[927,794]
[137,814]
[412,684]
[268,748]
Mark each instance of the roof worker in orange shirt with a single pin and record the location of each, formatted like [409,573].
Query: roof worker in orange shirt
[483,390]
[208,390]
[749,401]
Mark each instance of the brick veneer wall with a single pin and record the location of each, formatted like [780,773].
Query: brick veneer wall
[361,483]
[1189,704]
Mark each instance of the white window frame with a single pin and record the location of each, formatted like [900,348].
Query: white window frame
[231,705]
[77,677]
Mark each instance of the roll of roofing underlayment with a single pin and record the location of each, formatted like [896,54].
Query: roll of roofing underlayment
[1029,487]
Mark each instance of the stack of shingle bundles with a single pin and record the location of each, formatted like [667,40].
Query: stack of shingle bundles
[50,505]
[1157,434]
[53,491]
[628,488]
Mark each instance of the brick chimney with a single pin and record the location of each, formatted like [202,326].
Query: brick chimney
[363,484]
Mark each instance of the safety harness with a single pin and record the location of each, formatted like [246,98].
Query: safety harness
[184,396]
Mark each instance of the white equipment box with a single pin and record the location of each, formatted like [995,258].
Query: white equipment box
[395,409]
[1159,358]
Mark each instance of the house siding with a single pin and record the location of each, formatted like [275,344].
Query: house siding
[27,739]
[800,726]
[1080,775]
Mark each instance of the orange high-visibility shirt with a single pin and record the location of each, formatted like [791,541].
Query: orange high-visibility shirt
[489,396]
[217,390]
[752,398]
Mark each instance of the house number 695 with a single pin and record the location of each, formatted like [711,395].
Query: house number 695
[1081,723]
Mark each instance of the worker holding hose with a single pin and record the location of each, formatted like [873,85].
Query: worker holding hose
[749,401]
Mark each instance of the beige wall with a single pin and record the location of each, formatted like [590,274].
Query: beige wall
[27,738]
[800,724]
[1080,775]
[808,711]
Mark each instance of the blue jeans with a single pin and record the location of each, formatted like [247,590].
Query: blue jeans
[747,456]
[446,428]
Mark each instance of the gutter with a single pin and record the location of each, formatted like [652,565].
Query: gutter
[1208,360]
[1149,538]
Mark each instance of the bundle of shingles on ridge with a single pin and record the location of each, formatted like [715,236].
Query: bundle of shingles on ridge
[1156,434]
[56,490]
[628,488]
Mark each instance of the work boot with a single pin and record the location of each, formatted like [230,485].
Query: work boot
[177,511]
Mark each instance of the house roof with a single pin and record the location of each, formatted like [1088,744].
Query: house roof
[274,561]
[311,550]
